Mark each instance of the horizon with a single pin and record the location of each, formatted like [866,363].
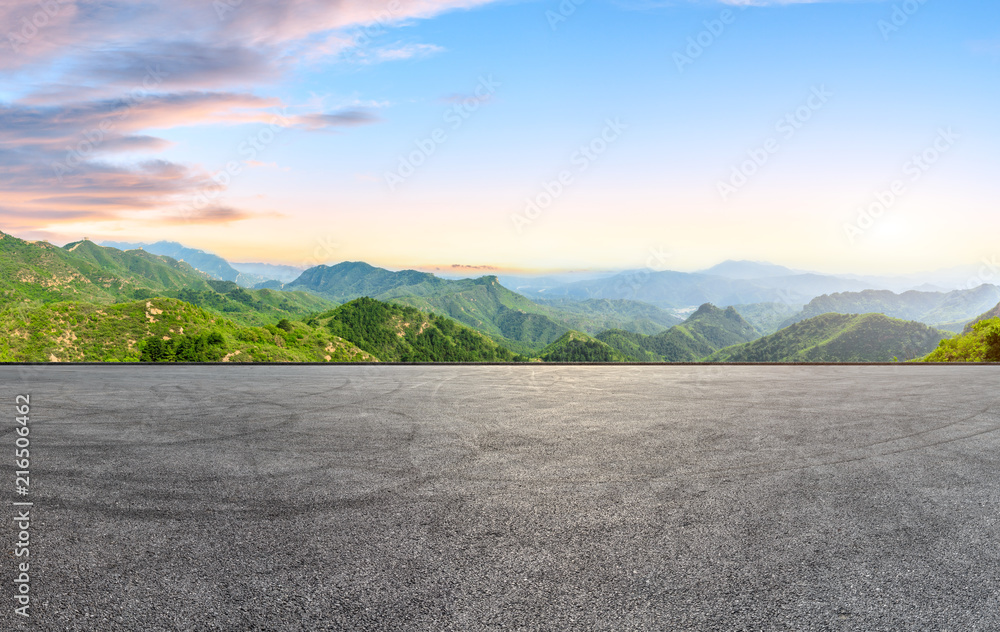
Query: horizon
[515,138]
[987,272]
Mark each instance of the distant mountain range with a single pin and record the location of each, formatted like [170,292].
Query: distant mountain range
[671,290]
[67,303]
[268,271]
[951,311]
[749,270]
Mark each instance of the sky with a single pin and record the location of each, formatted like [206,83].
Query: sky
[527,136]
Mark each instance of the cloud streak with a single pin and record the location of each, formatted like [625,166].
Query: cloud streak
[53,159]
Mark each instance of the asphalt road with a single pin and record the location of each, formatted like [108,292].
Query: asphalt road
[507,498]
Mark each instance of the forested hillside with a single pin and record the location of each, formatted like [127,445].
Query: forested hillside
[839,338]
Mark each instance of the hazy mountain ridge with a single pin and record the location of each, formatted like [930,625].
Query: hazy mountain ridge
[268,271]
[596,315]
[670,289]
[749,270]
[951,310]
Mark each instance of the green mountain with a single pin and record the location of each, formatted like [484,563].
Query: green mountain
[84,271]
[704,332]
[40,272]
[165,329]
[212,265]
[575,346]
[981,343]
[354,279]
[631,345]
[839,338]
[993,313]
[79,332]
[947,310]
[482,303]
[400,333]
[488,307]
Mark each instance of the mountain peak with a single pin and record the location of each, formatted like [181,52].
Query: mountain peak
[706,308]
[734,269]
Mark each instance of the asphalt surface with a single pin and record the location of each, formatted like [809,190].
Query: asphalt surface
[507,498]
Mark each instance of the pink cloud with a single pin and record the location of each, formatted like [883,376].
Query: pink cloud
[116,72]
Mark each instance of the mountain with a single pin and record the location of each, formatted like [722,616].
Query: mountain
[599,314]
[672,290]
[993,313]
[270,285]
[748,270]
[537,286]
[631,345]
[212,265]
[839,338]
[399,333]
[575,346]
[703,333]
[84,271]
[809,285]
[945,310]
[353,279]
[482,303]
[269,271]
[486,306]
[980,343]
[79,332]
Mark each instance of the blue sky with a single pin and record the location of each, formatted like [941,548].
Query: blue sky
[835,136]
